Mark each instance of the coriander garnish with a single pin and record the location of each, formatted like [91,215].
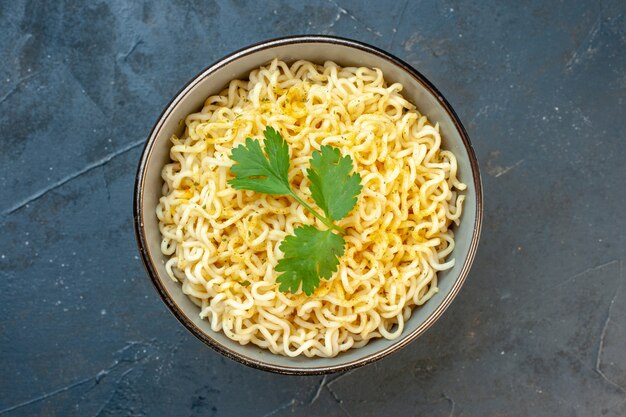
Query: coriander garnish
[310,253]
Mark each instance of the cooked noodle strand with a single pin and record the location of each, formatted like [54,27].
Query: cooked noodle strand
[223,243]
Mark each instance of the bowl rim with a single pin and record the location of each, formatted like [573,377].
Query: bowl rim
[182,317]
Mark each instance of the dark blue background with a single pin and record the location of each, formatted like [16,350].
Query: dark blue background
[538,329]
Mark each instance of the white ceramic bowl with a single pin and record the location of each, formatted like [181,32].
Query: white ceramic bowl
[316,49]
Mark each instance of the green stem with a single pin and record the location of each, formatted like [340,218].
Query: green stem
[323,219]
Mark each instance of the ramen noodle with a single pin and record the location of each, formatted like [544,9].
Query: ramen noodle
[223,244]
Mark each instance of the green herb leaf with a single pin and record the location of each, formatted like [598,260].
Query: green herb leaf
[310,254]
[257,172]
[333,188]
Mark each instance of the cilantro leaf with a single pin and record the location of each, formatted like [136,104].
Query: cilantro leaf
[332,187]
[257,172]
[310,254]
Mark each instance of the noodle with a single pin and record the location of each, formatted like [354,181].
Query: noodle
[223,244]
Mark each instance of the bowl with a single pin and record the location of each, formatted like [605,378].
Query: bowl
[316,49]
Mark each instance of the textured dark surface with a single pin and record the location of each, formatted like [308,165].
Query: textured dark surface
[540,326]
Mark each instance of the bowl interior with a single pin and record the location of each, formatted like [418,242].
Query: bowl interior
[239,65]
